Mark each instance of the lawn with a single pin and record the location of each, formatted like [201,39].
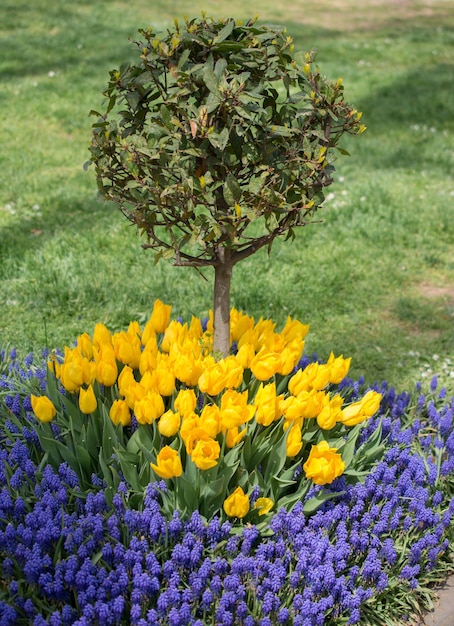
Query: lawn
[375,279]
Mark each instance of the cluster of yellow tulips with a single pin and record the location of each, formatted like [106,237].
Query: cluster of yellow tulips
[166,376]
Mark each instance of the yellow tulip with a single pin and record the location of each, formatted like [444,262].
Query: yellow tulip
[357,412]
[188,369]
[235,410]
[43,408]
[149,408]
[125,379]
[265,330]
[324,464]
[294,442]
[127,348]
[264,505]
[290,356]
[234,436]
[294,329]
[331,412]
[185,402]
[210,420]
[165,379]
[160,316]
[87,400]
[172,335]
[85,346]
[106,368]
[306,405]
[237,504]
[134,329]
[101,335]
[195,329]
[119,413]
[265,364]
[168,463]
[75,371]
[169,423]
[148,358]
[267,404]
[314,376]
[188,424]
[250,337]
[245,355]
[205,453]
[193,436]
[149,334]
[222,374]
[338,368]
[148,382]
[239,324]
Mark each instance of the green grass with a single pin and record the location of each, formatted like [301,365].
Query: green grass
[375,280]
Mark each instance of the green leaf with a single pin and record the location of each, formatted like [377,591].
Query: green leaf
[220,67]
[311,505]
[210,79]
[219,140]
[277,457]
[129,470]
[106,471]
[231,190]
[187,495]
[224,33]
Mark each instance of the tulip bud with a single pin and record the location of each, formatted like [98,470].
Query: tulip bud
[87,400]
[160,316]
[168,463]
[119,413]
[169,423]
[43,408]
[237,504]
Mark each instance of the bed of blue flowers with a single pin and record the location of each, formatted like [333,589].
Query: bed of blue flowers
[82,556]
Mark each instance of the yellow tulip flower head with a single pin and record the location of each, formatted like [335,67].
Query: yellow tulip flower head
[160,317]
[324,464]
[264,505]
[338,368]
[357,412]
[168,463]
[235,410]
[169,423]
[294,442]
[266,403]
[119,413]
[205,453]
[149,408]
[43,408]
[127,348]
[106,367]
[101,335]
[87,400]
[237,504]
[265,364]
[185,402]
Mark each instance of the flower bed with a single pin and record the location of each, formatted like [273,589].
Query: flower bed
[347,523]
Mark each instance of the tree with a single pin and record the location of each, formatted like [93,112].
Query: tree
[217,141]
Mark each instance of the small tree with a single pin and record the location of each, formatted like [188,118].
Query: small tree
[217,141]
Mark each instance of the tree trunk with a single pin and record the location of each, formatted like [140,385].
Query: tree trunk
[221,308]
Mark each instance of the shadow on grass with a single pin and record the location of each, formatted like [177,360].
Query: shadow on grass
[84,215]
[412,116]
